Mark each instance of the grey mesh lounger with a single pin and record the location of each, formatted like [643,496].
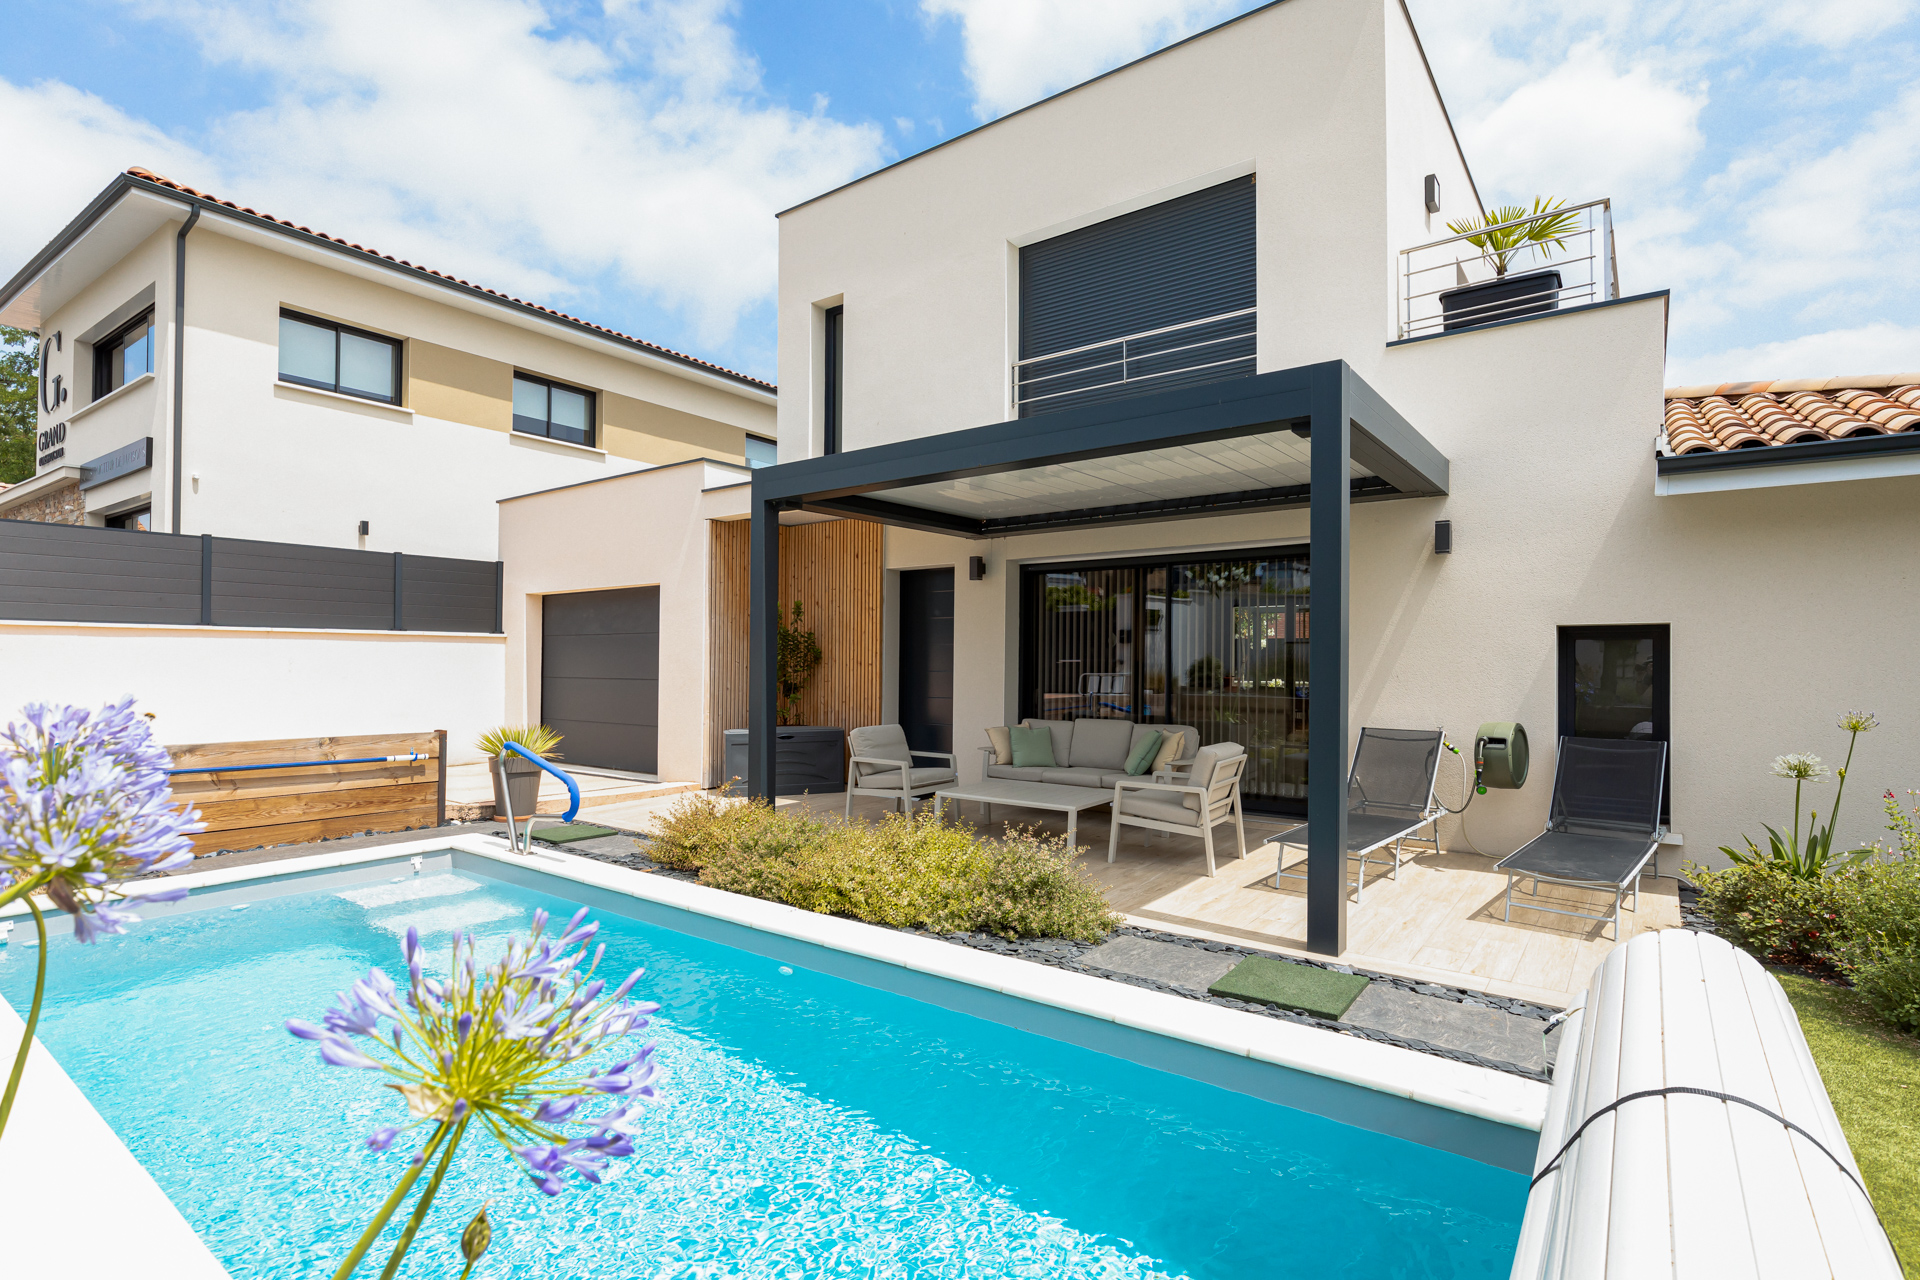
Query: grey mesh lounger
[1389,798]
[1603,828]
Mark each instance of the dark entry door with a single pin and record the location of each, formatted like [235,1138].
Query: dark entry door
[926,658]
[600,677]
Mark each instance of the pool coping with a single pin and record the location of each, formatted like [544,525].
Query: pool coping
[1478,1092]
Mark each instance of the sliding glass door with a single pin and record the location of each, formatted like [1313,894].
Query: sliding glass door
[1219,645]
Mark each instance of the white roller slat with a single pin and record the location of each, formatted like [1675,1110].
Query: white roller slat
[1681,1185]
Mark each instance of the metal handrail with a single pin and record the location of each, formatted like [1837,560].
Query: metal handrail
[1595,274]
[514,841]
[1603,203]
[1144,333]
[1023,388]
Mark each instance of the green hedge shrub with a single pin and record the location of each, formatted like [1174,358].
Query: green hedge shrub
[1763,908]
[908,871]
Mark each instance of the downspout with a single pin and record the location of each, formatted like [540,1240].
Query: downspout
[180,350]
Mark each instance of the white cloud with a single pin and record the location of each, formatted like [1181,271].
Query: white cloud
[1880,347]
[1019,51]
[472,138]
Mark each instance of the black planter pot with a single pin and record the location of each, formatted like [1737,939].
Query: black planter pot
[1507,298]
[806,758]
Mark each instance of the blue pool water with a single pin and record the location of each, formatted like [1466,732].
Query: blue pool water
[811,1126]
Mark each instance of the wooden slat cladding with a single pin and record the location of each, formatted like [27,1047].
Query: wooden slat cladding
[835,569]
[277,806]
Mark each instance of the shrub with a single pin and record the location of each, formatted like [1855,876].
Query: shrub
[1879,950]
[907,871]
[1765,908]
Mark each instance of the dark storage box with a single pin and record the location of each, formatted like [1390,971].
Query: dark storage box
[807,758]
[1507,298]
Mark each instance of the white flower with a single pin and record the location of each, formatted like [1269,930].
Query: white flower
[1801,766]
[1859,721]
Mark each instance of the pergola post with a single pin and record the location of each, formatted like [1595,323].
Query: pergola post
[1329,525]
[763,672]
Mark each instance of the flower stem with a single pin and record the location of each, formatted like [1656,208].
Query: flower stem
[21,889]
[387,1207]
[33,1019]
[426,1202]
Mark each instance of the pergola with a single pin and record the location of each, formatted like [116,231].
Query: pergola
[1316,436]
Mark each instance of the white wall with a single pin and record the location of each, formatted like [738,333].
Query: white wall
[230,684]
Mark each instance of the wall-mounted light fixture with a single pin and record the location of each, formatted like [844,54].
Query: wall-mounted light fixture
[976,568]
[1433,193]
[366,527]
[1443,537]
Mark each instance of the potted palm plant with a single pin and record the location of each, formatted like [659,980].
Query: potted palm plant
[522,787]
[1502,235]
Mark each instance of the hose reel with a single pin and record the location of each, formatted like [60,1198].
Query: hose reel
[1500,756]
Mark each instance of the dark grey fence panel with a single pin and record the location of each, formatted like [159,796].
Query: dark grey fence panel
[447,595]
[76,573]
[72,573]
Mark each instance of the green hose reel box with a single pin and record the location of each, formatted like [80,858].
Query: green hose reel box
[1500,754]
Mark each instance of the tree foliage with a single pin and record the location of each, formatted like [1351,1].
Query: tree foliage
[19,395]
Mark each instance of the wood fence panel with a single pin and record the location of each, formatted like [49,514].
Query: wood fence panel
[277,806]
[836,570]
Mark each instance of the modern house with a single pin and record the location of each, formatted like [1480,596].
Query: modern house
[325,393]
[1167,406]
[269,453]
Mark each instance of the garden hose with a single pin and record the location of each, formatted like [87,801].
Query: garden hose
[1471,790]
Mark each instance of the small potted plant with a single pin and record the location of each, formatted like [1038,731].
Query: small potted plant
[1506,297]
[807,757]
[522,775]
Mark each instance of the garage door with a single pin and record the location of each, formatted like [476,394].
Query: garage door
[600,677]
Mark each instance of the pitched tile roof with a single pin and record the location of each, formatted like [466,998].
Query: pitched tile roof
[147,175]
[1755,415]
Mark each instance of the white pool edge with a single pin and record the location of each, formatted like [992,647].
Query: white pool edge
[1479,1092]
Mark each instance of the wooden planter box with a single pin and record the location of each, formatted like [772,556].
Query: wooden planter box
[807,758]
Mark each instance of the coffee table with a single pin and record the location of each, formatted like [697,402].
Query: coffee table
[1029,795]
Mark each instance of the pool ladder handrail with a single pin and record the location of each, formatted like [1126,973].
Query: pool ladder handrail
[514,839]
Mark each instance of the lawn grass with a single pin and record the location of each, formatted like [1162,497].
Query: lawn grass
[1873,1076]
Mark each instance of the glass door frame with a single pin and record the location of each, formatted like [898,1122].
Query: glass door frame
[1661,634]
[1033,577]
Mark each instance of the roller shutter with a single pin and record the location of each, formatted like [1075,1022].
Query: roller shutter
[600,676]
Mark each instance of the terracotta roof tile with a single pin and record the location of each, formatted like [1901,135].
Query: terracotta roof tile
[147,175]
[1758,415]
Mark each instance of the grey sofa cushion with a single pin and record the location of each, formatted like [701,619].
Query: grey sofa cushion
[1204,763]
[1062,731]
[1074,777]
[885,741]
[1160,806]
[889,779]
[1109,778]
[1100,744]
[1015,773]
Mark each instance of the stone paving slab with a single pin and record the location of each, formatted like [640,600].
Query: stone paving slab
[1176,966]
[1491,1033]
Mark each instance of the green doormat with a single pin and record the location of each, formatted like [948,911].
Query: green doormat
[1301,987]
[567,833]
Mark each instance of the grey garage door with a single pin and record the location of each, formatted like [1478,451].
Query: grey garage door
[600,677]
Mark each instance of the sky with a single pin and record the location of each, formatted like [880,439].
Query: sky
[622,160]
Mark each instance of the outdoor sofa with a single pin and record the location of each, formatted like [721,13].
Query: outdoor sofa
[1093,753]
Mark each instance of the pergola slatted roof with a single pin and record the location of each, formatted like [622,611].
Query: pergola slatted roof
[1315,436]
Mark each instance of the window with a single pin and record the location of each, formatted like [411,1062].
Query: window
[542,408]
[1614,684]
[332,357]
[1216,644]
[123,357]
[141,520]
[762,452]
[831,378]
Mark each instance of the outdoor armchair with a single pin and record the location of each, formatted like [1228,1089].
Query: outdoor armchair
[1389,798]
[1210,796]
[881,764]
[1603,827]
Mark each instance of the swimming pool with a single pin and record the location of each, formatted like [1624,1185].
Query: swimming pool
[812,1125]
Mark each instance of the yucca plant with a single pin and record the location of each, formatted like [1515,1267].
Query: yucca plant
[1816,857]
[1501,245]
[538,738]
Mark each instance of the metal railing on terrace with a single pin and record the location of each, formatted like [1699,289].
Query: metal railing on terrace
[1500,273]
[1177,355]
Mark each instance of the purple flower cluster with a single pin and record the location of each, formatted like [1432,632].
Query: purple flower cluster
[85,805]
[486,1043]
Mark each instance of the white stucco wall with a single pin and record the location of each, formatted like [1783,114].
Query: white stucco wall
[232,684]
[641,530]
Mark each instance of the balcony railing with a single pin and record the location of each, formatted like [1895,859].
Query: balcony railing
[1177,355]
[1455,284]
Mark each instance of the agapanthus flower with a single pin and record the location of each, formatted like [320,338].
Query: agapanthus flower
[85,805]
[1800,766]
[1859,721]
[492,1043]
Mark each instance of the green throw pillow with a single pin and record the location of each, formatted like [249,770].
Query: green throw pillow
[1142,757]
[1033,748]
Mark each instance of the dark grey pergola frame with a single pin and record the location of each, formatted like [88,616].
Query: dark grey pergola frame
[1329,403]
